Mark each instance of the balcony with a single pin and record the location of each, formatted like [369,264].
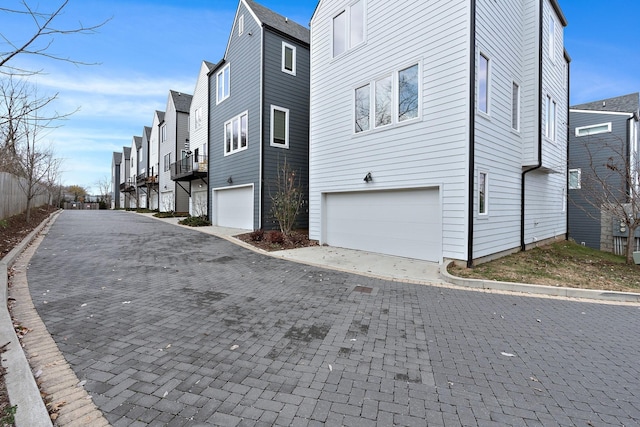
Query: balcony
[189,168]
[141,180]
[127,187]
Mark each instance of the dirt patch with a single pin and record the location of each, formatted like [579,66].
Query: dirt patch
[14,229]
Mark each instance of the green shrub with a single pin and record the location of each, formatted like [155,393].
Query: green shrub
[194,221]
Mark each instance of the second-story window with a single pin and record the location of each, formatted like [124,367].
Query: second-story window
[550,125]
[349,28]
[515,106]
[163,133]
[279,127]
[197,119]
[167,162]
[223,84]
[235,134]
[288,58]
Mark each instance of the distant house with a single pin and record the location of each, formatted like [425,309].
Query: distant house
[126,188]
[193,169]
[136,151]
[153,186]
[174,144]
[601,133]
[258,116]
[142,169]
[116,163]
[437,128]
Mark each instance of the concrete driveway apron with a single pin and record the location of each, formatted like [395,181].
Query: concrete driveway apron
[169,326]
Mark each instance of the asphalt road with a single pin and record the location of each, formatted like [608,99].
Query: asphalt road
[169,326]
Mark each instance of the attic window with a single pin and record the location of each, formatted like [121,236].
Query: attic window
[241,25]
[348,28]
[223,84]
[593,129]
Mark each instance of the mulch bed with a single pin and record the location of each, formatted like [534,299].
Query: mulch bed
[276,241]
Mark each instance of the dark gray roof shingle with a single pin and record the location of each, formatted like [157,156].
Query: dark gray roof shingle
[117,158]
[620,104]
[279,22]
[126,151]
[138,141]
[147,132]
[182,101]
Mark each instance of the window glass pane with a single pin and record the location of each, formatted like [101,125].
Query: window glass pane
[552,37]
[515,106]
[483,84]
[356,28]
[228,137]
[235,129]
[408,95]
[339,34]
[279,127]
[243,131]
[383,101]
[574,177]
[288,58]
[363,108]
[482,193]
[552,121]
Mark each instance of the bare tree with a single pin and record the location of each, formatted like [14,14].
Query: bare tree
[104,187]
[42,32]
[287,198]
[35,164]
[611,184]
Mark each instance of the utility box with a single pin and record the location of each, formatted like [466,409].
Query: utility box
[636,257]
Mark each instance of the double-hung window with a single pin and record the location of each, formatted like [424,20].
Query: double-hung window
[235,134]
[349,28]
[167,162]
[279,127]
[483,84]
[222,79]
[391,99]
[288,58]
[550,126]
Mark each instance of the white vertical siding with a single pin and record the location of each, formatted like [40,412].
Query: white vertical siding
[198,136]
[429,151]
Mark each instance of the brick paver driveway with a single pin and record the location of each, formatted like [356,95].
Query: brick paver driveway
[170,326]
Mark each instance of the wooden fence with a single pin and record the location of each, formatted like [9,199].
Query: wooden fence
[12,198]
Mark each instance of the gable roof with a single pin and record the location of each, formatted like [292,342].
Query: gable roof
[147,132]
[182,101]
[117,158]
[126,151]
[620,104]
[138,141]
[160,115]
[210,65]
[278,22]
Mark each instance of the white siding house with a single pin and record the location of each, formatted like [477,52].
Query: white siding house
[428,130]
[154,161]
[198,138]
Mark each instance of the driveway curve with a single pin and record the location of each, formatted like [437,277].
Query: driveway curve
[169,326]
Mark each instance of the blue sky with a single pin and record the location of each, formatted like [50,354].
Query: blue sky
[151,46]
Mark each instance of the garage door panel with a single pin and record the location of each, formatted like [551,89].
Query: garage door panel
[403,223]
[234,208]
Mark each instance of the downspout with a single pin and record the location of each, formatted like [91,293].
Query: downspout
[261,110]
[208,153]
[566,234]
[539,165]
[472,131]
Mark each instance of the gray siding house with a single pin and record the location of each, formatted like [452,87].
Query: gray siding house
[601,133]
[258,116]
[125,179]
[174,144]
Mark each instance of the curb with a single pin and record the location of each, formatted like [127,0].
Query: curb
[557,291]
[21,385]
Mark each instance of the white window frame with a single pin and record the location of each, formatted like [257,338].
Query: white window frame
[163,133]
[551,115]
[395,99]
[483,190]
[484,108]
[552,38]
[223,76]
[515,106]
[578,174]
[349,44]
[286,46]
[167,162]
[593,129]
[286,127]
[230,122]
[197,118]
[240,25]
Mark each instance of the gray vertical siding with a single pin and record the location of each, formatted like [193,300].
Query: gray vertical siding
[291,92]
[243,56]
[584,219]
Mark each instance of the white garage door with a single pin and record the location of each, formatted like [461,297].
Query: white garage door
[405,223]
[234,207]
